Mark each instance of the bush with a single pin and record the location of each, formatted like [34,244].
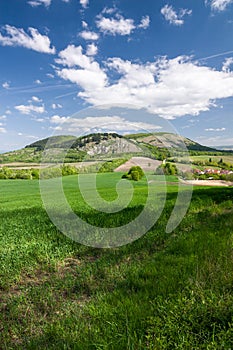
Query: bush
[138,169]
[135,176]
[135,173]
[166,169]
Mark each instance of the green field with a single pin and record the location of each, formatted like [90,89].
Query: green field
[205,158]
[164,291]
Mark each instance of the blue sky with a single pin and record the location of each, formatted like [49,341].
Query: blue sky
[58,57]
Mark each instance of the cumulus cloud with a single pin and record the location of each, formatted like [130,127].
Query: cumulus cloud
[84,24]
[168,87]
[12,36]
[215,129]
[6,85]
[113,26]
[173,17]
[84,3]
[219,5]
[145,22]
[56,105]
[27,109]
[92,50]
[98,124]
[2,117]
[37,81]
[83,70]
[88,35]
[227,63]
[36,99]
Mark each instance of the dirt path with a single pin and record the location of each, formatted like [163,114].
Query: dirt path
[208,183]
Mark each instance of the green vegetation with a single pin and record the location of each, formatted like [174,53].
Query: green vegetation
[223,162]
[164,291]
[61,141]
[151,145]
[24,155]
[135,173]
[110,165]
[167,169]
[32,174]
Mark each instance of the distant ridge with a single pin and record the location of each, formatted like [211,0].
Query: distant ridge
[106,145]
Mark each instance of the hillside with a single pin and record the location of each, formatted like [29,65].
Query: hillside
[104,145]
[169,140]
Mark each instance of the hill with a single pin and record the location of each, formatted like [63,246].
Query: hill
[169,140]
[104,145]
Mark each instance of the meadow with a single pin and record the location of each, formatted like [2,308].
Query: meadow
[164,291]
[227,158]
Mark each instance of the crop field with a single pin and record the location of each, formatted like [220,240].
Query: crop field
[163,291]
[205,158]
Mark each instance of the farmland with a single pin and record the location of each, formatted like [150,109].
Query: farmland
[164,291]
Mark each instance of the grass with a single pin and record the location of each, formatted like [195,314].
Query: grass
[205,158]
[164,291]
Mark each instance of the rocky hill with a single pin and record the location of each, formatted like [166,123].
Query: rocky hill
[105,145]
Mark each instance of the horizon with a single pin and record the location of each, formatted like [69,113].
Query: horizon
[120,134]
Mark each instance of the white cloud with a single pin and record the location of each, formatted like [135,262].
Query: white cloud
[40,120]
[84,3]
[50,75]
[98,124]
[46,3]
[35,3]
[89,74]
[173,17]
[8,111]
[84,24]
[2,130]
[109,10]
[27,109]
[168,87]
[145,22]
[6,85]
[13,36]
[227,63]
[38,82]
[219,5]
[88,35]
[92,50]
[56,105]
[36,99]
[113,26]
[2,117]
[216,129]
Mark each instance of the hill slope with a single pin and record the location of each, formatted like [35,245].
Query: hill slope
[94,146]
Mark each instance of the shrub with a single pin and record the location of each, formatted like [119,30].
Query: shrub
[138,169]
[135,176]
[166,169]
[135,173]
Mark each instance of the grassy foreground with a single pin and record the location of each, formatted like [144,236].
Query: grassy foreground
[164,291]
